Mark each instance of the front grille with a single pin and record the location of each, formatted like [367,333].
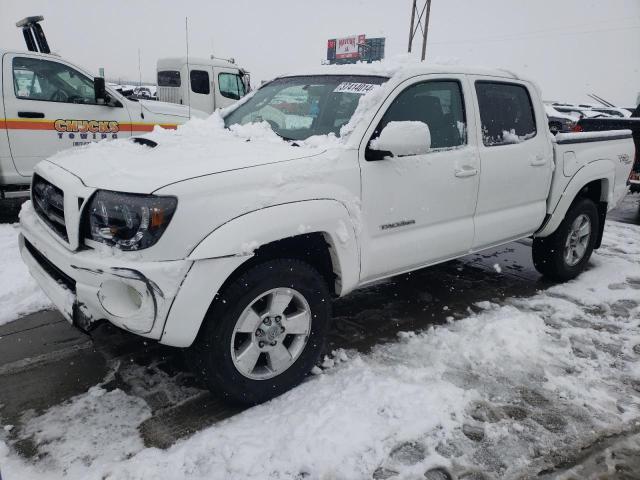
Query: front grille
[169,94]
[48,202]
[55,273]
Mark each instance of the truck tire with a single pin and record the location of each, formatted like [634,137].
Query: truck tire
[264,332]
[564,254]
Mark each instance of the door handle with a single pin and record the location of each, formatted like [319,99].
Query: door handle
[30,114]
[466,171]
[538,161]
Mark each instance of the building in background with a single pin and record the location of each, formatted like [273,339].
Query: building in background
[355,48]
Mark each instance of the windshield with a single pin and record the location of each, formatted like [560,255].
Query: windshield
[300,107]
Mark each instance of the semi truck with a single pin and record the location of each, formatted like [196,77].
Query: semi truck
[201,83]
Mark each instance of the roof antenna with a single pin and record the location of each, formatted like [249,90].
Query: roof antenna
[186,31]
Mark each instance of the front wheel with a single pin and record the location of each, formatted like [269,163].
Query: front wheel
[564,254]
[265,331]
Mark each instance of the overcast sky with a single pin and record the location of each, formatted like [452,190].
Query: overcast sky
[570,47]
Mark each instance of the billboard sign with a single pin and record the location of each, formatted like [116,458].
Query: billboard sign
[347,47]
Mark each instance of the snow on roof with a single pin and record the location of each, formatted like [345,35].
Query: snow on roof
[172,62]
[552,112]
[403,67]
[26,52]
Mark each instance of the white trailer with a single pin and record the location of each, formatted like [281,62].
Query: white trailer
[203,84]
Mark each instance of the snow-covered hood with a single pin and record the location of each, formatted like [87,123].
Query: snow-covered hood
[198,148]
[165,108]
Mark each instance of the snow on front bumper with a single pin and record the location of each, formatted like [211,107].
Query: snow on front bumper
[87,285]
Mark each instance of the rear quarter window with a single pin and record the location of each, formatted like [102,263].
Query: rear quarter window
[169,78]
[506,113]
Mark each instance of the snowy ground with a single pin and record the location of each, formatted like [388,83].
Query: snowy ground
[19,293]
[512,390]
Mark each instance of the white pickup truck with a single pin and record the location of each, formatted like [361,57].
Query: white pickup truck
[48,104]
[231,235]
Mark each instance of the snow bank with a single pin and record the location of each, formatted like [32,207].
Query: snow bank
[19,293]
[497,392]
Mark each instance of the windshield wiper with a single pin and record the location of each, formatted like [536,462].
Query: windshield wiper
[287,139]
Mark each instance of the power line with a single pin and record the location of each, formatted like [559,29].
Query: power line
[529,35]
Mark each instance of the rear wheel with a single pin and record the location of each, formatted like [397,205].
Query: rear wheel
[564,254]
[265,331]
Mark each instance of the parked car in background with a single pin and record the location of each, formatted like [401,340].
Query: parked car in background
[236,250]
[579,112]
[204,84]
[613,111]
[558,121]
[146,92]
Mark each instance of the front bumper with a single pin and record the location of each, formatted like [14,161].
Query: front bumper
[90,285]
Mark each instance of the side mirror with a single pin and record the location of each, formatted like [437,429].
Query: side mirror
[100,91]
[401,139]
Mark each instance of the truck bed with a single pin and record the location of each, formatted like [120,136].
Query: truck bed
[611,151]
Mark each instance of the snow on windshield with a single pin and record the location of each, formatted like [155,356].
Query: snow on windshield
[300,107]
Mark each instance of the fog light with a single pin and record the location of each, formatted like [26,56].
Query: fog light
[120,299]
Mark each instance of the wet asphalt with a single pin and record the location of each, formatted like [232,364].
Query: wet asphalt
[45,361]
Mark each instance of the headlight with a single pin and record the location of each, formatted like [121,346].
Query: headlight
[128,221]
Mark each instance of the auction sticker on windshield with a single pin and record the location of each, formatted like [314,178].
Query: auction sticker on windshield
[353,87]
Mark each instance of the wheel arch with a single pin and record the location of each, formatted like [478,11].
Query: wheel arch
[288,229]
[320,232]
[594,181]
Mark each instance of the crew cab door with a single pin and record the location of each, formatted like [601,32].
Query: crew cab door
[231,87]
[50,106]
[516,160]
[201,96]
[419,209]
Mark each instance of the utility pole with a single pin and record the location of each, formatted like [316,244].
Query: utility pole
[422,23]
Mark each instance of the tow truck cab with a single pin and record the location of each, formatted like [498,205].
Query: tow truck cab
[48,104]
[203,84]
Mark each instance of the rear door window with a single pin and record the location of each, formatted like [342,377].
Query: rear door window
[200,82]
[169,78]
[506,113]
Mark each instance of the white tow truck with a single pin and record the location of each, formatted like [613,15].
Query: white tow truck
[48,104]
[205,84]
[311,187]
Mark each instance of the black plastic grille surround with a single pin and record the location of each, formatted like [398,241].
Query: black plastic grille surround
[55,273]
[48,202]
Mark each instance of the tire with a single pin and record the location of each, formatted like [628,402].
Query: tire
[550,253]
[224,337]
